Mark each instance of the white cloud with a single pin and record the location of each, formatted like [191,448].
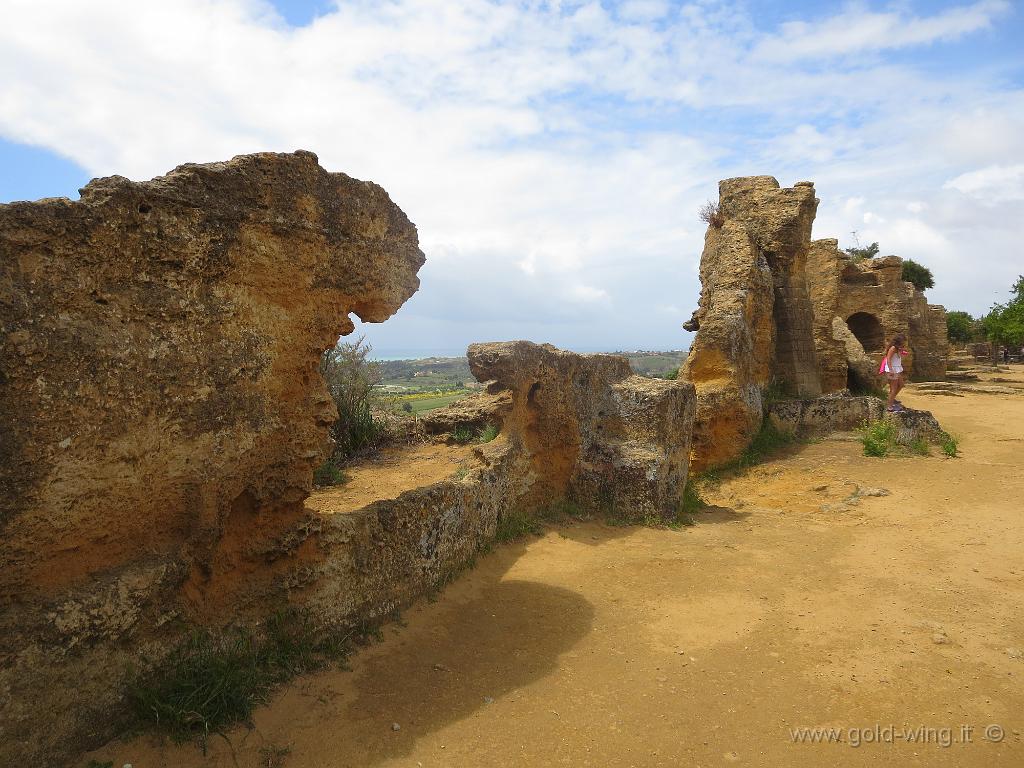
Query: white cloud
[553,155]
[857,30]
[991,185]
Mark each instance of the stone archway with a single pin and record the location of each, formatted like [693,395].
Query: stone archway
[868,330]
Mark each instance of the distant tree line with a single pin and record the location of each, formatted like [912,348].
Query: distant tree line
[1003,324]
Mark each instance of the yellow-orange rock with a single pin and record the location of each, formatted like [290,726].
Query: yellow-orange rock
[161,410]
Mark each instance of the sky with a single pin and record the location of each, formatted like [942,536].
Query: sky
[553,154]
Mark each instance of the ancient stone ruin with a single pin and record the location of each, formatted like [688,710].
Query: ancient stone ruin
[778,309]
[161,414]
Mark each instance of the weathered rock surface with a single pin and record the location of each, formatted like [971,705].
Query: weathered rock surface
[161,410]
[730,360]
[780,219]
[872,300]
[591,430]
[821,327]
[912,424]
[837,411]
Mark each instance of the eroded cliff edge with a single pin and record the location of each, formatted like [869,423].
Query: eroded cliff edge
[160,406]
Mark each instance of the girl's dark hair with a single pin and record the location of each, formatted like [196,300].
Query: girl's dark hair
[898,341]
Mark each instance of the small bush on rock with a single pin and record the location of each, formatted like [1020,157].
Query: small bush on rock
[711,214]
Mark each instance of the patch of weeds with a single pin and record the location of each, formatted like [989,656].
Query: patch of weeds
[273,756]
[460,473]
[213,681]
[775,391]
[98,764]
[920,447]
[515,524]
[878,438]
[768,441]
[487,434]
[328,474]
[950,445]
[463,435]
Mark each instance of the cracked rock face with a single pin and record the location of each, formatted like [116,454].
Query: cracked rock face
[160,406]
[589,429]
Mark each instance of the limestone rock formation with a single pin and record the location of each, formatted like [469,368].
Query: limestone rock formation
[592,430]
[160,408]
[872,300]
[837,411]
[754,314]
[777,308]
[731,356]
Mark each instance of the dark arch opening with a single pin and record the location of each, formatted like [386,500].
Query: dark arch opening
[868,330]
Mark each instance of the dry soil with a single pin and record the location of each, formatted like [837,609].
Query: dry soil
[796,602]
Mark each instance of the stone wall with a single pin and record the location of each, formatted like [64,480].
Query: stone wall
[778,308]
[161,413]
[873,290]
[161,409]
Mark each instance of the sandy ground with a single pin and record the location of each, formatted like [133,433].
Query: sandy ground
[390,474]
[781,609]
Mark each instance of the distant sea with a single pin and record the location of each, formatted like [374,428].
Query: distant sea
[415,354]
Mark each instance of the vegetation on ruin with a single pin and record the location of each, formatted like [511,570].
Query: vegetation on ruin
[918,274]
[516,524]
[351,376]
[858,253]
[464,434]
[214,680]
[878,438]
[711,214]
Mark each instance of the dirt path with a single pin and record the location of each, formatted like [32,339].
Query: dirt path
[599,646]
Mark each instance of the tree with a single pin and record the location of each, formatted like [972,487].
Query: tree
[918,274]
[961,326]
[1004,324]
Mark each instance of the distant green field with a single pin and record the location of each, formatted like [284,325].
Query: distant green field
[424,404]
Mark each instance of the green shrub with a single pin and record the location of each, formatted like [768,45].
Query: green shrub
[692,501]
[213,681]
[918,274]
[950,445]
[328,474]
[487,434]
[878,438]
[350,378]
[858,253]
[463,435]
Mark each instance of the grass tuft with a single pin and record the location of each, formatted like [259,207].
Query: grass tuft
[768,441]
[328,474]
[273,756]
[213,681]
[920,447]
[487,434]
[950,445]
[515,524]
